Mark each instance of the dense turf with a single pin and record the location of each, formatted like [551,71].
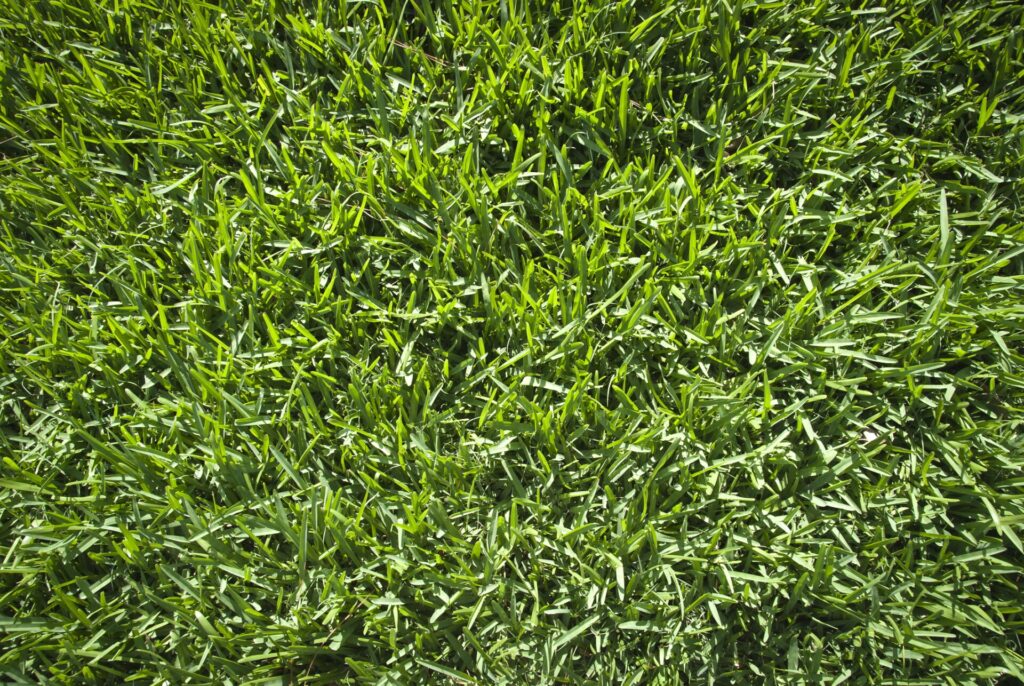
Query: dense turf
[409,341]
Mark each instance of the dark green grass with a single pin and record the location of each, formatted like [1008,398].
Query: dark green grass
[500,342]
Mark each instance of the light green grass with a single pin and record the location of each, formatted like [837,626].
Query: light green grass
[425,341]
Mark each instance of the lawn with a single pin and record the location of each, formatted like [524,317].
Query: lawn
[507,342]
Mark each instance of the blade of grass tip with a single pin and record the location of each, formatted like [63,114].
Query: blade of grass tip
[944,234]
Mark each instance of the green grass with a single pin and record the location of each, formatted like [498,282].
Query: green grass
[429,341]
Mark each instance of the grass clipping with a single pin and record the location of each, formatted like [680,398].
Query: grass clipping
[422,341]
